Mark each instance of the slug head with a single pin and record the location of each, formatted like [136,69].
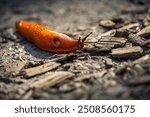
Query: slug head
[64,43]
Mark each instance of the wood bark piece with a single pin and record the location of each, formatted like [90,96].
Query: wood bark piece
[98,49]
[39,69]
[141,59]
[131,52]
[144,32]
[52,79]
[85,77]
[126,30]
[137,40]
[14,66]
[108,62]
[128,44]
[129,26]
[107,23]
[108,33]
[68,57]
[114,41]
[121,33]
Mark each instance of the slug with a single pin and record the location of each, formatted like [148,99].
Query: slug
[48,40]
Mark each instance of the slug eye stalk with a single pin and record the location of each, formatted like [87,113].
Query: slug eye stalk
[84,38]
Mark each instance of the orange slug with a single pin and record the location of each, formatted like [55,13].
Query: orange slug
[48,40]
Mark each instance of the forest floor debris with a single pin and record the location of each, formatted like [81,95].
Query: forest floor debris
[114,64]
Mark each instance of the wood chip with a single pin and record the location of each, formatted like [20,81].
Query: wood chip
[109,62]
[128,44]
[126,30]
[146,21]
[98,49]
[132,52]
[137,40]
[15,67]
[114,41]
[107,23]
[129,26]
[68,57]
[121,33]
[143,58]
[108,33]
[39,69]
[106,43]
[52,79]
[85,77]
[144,32]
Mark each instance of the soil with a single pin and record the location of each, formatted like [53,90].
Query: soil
[96,72]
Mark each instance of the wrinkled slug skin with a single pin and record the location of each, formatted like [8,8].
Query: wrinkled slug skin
[46,39]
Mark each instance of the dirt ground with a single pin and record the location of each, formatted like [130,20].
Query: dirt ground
[97,71]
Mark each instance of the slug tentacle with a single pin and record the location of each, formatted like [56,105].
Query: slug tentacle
[84,38]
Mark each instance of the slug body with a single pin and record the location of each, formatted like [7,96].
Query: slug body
[46,39]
